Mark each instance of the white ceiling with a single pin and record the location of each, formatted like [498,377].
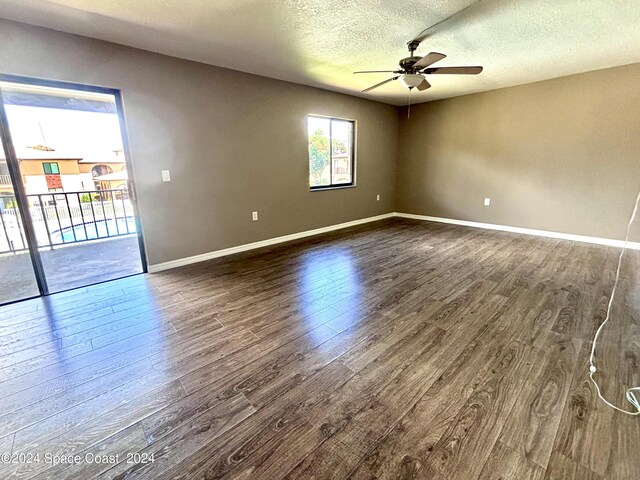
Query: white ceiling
[320,42]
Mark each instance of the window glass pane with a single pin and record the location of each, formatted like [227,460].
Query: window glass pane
[341,136]
[319,158]
[51,168]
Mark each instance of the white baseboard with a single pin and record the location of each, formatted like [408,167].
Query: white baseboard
[526,231]
[158,267]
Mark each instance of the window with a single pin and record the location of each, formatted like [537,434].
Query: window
[331,158]
[51,168]
[99,170]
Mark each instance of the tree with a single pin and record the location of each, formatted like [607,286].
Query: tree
[318,156]
[339,146]
[88,197]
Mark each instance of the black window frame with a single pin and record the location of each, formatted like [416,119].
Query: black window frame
[352,160]
[44,164]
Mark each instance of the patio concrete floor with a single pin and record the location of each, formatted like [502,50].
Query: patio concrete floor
[70,266]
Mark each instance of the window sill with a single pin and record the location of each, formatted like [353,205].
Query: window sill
[332,187]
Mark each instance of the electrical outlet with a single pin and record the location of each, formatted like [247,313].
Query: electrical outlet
[377,198]
[166,176]
[487,202]
[254,216]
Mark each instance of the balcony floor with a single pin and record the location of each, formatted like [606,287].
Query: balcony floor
[70,266]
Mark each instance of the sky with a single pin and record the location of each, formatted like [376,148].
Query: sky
[69,132]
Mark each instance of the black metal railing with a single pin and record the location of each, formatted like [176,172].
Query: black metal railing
[67,217]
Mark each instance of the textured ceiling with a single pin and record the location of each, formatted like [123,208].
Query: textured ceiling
[320,42]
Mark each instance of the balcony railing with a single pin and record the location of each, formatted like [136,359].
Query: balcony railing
[67,217]
[5,180]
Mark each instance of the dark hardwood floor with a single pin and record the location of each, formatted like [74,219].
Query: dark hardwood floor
[400,349]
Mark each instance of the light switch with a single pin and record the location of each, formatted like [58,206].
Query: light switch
[487,202]
[166,176]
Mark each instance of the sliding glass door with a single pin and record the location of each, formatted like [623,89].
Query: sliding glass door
[70,192]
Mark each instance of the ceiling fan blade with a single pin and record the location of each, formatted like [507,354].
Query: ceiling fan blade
[379,84]
[424,85]
[454,70]
[376,71]
[429,59]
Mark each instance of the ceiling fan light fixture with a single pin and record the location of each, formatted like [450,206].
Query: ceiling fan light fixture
[411,80]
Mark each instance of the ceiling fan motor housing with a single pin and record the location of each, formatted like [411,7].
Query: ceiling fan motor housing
[408,63]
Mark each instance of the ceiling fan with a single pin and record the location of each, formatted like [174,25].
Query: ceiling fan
[413,69]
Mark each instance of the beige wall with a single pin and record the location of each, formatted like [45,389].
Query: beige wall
[233,142]
[560,155]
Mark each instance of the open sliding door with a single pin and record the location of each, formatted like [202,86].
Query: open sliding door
[68,204]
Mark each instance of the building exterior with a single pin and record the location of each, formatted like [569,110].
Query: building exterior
[46,172]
